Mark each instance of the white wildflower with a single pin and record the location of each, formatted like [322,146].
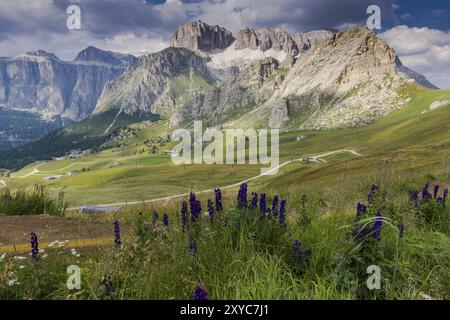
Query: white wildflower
[13,282]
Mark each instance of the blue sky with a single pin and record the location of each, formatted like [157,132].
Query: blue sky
[433,14]
[418,30]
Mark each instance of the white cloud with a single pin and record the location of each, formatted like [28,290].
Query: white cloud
[424,50]
[133,44]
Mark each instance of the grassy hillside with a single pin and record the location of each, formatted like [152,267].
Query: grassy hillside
[407,141]
[89,133]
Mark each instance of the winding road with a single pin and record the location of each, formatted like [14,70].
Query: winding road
[167,198]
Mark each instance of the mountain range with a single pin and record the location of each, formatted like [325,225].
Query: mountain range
[317,80]
[49,92]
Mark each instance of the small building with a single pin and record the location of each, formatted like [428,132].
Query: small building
[73,172]
[54,177]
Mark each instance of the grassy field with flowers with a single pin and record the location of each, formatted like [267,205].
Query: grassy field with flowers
[309,233]
[257,246]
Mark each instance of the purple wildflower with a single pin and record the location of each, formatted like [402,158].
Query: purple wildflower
[166,220]
[262,206]
[360,209]
[360,232]
[298,251]
[435,191]
[425,193]
[414,195]
[193,248]
[200,293]
[34,246]
[218,199]
[117,241]
[210,210]
[282,215]
[196,207]
[275,206]
[444,197]
[254,201]
[242,196]
[377,226]
[184,217]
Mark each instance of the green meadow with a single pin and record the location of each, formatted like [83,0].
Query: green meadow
[238,254]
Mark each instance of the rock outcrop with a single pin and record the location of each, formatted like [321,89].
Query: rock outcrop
[199,36]
[266,39]
[309,40]
[156,83]
[235,96]
[93,54]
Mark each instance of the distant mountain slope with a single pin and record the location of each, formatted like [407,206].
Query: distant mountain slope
[87,134]
[413,76]
[41,83]
[51,91]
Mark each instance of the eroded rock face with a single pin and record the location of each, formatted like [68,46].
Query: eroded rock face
[266,39]
[247,38]
[236,95]
[309,40]
[342,80]
[41,83]
[198,35]
[146,86]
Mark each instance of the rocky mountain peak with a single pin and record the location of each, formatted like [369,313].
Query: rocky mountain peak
[42,53]
[93,54]
[156,82]
[198,35]
[308,40]
[265,39]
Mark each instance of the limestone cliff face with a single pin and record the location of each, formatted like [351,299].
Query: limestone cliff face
[236,95]
[156,83]
[309,40]
[198,35]
[40,83]
[341,79]
[266,39]
[345,81]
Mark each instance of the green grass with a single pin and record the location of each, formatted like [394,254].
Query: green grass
[251,258]
[39,201]
[400,152]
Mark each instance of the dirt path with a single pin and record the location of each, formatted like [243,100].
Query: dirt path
[17,229]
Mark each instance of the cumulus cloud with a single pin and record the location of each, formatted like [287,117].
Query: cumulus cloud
[424,50]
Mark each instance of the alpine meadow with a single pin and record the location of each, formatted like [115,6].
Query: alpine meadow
[264,158]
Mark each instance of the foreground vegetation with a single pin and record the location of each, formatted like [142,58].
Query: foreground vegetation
[253,248]
[39,201]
